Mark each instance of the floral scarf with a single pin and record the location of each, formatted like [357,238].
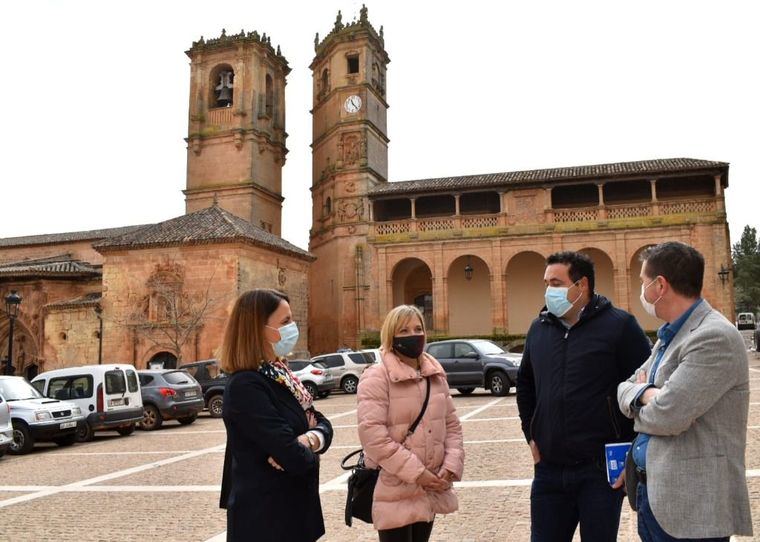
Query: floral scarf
[279,372]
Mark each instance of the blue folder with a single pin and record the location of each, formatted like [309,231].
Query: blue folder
[615,458]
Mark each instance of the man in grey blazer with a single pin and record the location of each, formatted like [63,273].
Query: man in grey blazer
[690,403]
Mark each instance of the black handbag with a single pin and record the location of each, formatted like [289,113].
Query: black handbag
[361,483]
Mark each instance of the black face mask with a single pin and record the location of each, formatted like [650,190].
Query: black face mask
[410,346]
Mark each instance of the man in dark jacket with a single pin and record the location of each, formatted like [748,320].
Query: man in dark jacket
[576,352]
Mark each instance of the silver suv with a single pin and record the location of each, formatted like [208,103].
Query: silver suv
[346,367]
[36,417]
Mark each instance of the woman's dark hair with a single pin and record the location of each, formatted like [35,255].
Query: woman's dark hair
[579,264]
[681,265]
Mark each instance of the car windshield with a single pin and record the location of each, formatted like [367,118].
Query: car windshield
[487,347]
[17,389]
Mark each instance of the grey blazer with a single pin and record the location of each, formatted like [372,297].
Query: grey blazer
[696,479]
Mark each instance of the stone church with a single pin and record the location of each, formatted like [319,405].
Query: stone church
[469,251]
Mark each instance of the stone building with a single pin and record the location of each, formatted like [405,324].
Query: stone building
[468,250]
[164,291]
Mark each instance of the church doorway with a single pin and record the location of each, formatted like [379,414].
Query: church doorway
[413,285]
[163,360]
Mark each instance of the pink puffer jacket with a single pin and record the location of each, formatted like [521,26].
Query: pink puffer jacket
[390,398]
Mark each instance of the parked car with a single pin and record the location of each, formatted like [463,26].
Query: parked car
[35,418]
[347,367]
[108,394]
[317,378]
[212,380]
[745,320]
[6,427]
[169,394]
[476,363]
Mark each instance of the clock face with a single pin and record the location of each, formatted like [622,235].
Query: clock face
[352,104]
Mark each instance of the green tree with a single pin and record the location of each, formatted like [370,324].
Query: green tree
[746,256]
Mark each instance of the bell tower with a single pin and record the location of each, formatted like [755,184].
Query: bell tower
[236,129]
[349,157]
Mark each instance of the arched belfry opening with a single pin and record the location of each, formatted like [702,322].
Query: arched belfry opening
[222,86]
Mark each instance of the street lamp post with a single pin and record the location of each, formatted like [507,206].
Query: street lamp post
[12,302]
[99,313]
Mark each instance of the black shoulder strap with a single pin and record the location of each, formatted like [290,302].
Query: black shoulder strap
[422,412]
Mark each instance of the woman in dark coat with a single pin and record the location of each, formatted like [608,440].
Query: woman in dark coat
[270,485]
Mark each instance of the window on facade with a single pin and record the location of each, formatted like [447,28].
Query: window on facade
[627,192]
[269,102]
[353,64]
[222,83]
[479,203]
[328,206]
[440,205]
[392,209]
[579,195]
[324,84]
[686,187]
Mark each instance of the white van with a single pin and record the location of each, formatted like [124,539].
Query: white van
[109,396]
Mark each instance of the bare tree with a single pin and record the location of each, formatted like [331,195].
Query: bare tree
[171,315]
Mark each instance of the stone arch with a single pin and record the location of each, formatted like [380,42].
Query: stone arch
[221,86]
[25,347]
[412,284]
[648,323]
[524,290]
[604,272]
[469,299]
[163,360]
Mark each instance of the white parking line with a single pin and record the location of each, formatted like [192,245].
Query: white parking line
[496,441]
[490,419]
[133,453]
[105,477]
[333,416]
[481,409]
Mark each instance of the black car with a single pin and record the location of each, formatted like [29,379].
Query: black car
[212,380]
[476,363]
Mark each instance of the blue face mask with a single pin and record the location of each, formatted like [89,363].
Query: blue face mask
[288,339]
[557,302]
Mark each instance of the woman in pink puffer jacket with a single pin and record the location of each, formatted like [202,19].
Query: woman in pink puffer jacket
[416,471]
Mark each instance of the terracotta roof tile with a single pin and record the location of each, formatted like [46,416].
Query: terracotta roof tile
[619,169]
[210,225]
[58,266]
[53,238]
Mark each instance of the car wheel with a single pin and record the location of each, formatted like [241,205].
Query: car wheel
[68,440]
[324,394]
[126,431]
[498,383]
[465,391]
[311,387]
[187,420]
[215,406]
[84,432]
[152,418]
[22,439]
[349,384]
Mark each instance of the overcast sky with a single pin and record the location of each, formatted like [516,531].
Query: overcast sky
[96,96]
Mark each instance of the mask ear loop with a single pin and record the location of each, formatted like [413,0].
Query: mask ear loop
[647,286]
[579,295]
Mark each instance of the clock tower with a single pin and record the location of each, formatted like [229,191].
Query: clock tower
[349,157]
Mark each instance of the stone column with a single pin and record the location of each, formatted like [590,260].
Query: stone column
[457,215]
[602,208]
[413,202]
[720,203]
[655,204]
[548,209]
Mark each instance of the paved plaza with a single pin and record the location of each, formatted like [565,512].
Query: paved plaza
[164,485]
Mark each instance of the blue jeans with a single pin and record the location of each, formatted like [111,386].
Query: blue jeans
[650,530]
[562,496]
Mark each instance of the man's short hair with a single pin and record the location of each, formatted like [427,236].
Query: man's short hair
[683,266]
[579,264]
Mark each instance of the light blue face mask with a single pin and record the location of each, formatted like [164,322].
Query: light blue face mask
[288,339]
[556,300]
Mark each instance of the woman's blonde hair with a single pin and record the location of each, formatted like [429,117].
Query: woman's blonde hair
[243,346]
[394,320]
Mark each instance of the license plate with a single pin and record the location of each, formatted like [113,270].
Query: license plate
[191,393]
[68,425]
[115,402]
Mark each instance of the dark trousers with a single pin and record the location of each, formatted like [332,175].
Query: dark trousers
[650,530]
[415,532]
[562,496]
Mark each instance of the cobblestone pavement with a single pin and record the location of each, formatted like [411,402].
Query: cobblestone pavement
[164,484]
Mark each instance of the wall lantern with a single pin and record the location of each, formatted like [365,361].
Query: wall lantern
[468,270]
[723,274]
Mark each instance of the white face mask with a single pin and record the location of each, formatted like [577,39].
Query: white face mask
[650,308]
